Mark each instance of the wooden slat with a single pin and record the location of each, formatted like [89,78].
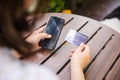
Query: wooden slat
[98,41]
[66,73]
[114,74]
[105,59]
[59,58]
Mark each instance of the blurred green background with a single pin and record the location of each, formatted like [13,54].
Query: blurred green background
[60,5]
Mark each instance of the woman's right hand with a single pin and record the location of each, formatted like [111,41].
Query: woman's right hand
[81,55]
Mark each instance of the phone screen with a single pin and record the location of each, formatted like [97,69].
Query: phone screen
[53,28]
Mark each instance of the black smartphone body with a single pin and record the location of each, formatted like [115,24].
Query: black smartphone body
[54,28]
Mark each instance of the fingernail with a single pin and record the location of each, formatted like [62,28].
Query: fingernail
[81,44]
[49,36]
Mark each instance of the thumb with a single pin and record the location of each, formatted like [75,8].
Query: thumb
[87,49]
[45,35]
[81,47]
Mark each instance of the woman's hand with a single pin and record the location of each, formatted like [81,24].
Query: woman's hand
[81,55]
[35,37]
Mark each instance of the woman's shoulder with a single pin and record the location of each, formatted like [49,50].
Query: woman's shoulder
[5,54]
[13,69]
[41,72]
[16,71]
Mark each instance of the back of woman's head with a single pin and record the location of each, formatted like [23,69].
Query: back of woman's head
[12,24]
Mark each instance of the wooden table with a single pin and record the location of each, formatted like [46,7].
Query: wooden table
[103,41]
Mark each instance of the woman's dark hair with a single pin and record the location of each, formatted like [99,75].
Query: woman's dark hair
[12,24]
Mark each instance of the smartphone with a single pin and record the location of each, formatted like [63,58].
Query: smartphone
[54,28]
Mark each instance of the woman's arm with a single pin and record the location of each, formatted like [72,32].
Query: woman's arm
[76,72]
[80,57]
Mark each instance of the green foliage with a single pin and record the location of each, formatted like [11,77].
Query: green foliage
[59,5]
[56,5]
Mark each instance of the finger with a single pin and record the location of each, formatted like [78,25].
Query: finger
[73,50]
[87,49]
[70,54]
[44,35]
[81,47]
[40,30]
[87,52]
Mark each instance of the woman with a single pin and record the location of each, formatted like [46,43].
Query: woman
[12,27]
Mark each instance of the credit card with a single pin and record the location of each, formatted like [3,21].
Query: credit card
[75,37]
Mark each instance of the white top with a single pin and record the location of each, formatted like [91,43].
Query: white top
[13,69]
[113,23]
